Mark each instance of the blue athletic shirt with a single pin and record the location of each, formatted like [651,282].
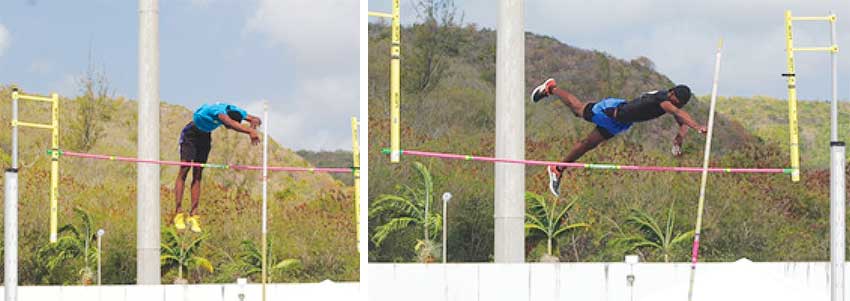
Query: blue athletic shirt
[206,117]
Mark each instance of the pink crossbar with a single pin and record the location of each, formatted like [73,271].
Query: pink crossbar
[593,166]
[207,165]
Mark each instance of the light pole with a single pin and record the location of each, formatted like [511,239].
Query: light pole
[446,197]
[631,260]
[100,234]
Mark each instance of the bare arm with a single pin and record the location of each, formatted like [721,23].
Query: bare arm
[254,120]
[237,126]
[683,130]
[683,116]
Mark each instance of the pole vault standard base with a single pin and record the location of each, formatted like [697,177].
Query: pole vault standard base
[837,196]
[10,235]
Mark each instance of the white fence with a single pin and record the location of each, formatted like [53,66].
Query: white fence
[742,280]
[325,291]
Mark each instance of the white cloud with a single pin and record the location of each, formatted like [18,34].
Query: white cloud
[5,39]
[323,36]
[308,120]
[41,67]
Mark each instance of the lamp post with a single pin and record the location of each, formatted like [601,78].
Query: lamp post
[446,197]
[631,260]
[100,234]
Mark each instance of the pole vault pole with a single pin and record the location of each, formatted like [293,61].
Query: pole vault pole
[704,178]
[265,194]
[509,191]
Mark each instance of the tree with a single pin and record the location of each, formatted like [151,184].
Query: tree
[251,261]
[651,235]
[433,40]
[75,241]
[409,208]
[179,252]
[93,107]
[548,220]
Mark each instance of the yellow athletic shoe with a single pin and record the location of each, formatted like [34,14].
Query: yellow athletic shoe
[195,223]
[180,221]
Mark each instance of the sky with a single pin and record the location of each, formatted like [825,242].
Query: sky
[681,37]
[300,55]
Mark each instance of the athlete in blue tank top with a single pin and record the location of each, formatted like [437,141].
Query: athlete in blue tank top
[195,144]
[613,116]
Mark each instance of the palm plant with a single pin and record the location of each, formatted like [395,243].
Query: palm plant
[548,220]
[74,241]
[651,235]
[251,261]
[180,252]
[409,208]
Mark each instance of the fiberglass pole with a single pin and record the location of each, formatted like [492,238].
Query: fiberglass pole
[265,193]
[704,178]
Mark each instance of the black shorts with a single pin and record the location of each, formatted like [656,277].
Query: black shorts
[587,114]
[195,144]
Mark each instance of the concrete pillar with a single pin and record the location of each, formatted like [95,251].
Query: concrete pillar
[147,202]
[509,242]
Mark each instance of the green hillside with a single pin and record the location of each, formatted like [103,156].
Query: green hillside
[303,207]
[448,95]
[767,118]
[337,158]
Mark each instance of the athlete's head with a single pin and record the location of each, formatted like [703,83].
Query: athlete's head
[235,115]
[679,95]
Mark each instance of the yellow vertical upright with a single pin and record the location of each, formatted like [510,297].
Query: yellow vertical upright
[54,153]
[355,159]
[395,79]
[793,129]
[395,85]
[54,169]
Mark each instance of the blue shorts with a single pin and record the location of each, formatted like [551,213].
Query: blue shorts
[595,113]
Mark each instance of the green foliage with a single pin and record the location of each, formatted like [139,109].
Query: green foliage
[432,43]
[93,110]
[548,220]
[427,250]
[181,251]
[73,250]
[761,217]
[767,118]
[251,261]
[313,204]
[338,158]
[411,208]
[650,234]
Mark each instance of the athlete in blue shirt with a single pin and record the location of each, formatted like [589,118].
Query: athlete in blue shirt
[195,144]
[613,116]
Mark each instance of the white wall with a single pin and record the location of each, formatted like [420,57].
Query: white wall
[203,292]
[741,280]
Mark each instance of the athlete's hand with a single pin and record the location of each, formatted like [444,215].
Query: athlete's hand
[255,122]
[702,130]
[677,149]
[255,138]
